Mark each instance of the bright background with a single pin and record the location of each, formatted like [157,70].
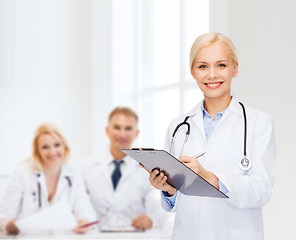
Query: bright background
[70,62]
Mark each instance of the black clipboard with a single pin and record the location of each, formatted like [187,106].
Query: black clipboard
[179,175]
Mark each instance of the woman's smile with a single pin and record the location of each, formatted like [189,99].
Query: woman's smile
[213,85]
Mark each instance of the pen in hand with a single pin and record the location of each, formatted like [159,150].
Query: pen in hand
[199,155]
[89,224]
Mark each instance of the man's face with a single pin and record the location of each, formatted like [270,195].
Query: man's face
[122,131]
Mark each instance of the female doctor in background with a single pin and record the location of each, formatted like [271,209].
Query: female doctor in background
[42,181]
[217,126]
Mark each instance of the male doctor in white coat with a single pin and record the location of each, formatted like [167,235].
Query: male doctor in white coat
[119,189]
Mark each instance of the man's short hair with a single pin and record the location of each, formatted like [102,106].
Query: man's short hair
[125,111]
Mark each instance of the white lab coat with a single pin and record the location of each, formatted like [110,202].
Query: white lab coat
[240,216]
[20,199]
[134,194]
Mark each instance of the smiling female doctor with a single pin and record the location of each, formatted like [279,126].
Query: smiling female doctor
[239,163]
[44,180]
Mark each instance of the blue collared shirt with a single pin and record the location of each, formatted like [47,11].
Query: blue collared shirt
[209,125]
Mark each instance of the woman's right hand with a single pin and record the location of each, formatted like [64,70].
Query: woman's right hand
[11,228]
[79,228]
[159,182]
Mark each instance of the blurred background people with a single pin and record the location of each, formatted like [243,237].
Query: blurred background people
[43,180]
[119,189]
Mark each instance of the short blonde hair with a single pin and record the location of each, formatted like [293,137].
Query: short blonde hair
[47,128]
[125,111]
[207,39]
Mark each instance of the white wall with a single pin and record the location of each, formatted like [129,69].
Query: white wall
[44,75]
[101,84]
[265,35]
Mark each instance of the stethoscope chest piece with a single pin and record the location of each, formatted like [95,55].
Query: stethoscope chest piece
[245,164]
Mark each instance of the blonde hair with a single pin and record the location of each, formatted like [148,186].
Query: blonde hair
[125,111]
[207,39]
[47,128]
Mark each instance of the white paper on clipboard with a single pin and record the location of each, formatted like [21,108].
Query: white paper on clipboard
[180,176]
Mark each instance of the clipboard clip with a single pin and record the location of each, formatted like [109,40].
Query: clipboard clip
[144,149]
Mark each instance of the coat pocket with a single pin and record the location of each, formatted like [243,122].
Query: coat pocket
[243,234]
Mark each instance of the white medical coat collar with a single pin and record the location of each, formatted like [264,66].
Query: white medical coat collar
[65,172]
[103,160]
[107,158]
[196,115]
[234,106]
[111,158]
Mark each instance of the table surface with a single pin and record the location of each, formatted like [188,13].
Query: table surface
[154,234]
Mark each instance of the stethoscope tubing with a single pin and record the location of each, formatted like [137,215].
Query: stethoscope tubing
[246,167]
[245,129]
[39,189]
[180,124]
[39,195]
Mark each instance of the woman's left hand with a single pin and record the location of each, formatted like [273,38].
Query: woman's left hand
[79,229]
[195,166]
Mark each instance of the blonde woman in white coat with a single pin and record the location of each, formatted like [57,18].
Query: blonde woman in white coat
[217,128]
[42,181]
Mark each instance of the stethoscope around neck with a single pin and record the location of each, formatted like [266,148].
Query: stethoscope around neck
[244,164]
[39,188]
